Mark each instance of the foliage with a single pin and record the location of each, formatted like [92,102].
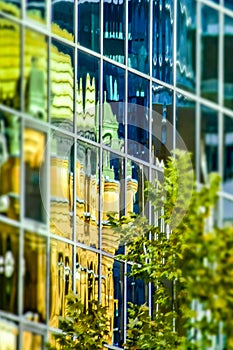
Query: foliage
[81,328]
[191,267]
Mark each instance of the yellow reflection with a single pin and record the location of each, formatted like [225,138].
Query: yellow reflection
[60,278]
[35,74]
[9,258]
[31,341]
[8,335]
[9,165]
[34,277]
[62,81]
[9,63]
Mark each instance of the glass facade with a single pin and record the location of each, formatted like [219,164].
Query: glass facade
[93,95]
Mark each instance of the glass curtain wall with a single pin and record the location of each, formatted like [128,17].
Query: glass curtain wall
[93,95]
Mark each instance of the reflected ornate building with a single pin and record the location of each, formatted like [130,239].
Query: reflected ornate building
[84,123]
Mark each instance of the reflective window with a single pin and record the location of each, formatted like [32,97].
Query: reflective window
[209,53]
[61,262]
[32,341]
[9,265]
[227,212]
[162,61]
[10,150]
[113,125]
[9,63]
[87,194]
[186,44]
[89,24]
[34,277]
[209,141]
[8,334]
[87,275]
[33,147]
[185,123]
[228,68]
[61,185]
[114,30]
[138,116]
[63,18]
[162,123]
[35,74]
[228,155]
[62,84]
[36,10]
[119,304]
[12,7]
[228,4]
[136,184]
[138,34]
[112,197]
[88,96]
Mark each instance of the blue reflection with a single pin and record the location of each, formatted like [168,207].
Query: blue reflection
[162,40]
[186,30]
[114,30]
[88,24]
[138,35]
[63,14]
[138,117]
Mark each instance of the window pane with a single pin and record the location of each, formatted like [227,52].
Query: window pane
[88,24]
[114,30]
[12,7]
[209,53]
[112,197]
[87,275]
[186,123]
[61,262]
[34,277]
[61,185]
[88,96]
[87,194]
[138,34]
[35,74]
[62,84]
[36,10]
[162,122]
[186,45]
[63,18]
[8,334]
[10,150]
[162,40]
[209,141]
[227,212]
[9,63]
[228,68]
[138,116]
[33,147]
[113,125]
[32,340]
[228,155]
[9,264]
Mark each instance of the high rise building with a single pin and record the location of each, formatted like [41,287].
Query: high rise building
[93,95]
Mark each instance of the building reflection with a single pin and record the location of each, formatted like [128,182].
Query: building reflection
[87,181]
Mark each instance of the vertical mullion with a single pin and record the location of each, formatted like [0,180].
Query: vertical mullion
[198,92]
[174,74]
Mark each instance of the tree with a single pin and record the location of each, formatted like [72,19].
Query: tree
[81,328]
[190,267]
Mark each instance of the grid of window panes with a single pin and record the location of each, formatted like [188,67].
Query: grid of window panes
[91,94]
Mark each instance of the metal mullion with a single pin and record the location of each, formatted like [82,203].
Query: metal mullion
[75,139]
[174,73]
[198,92]
[220,114]
[100,150]
[126,160]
